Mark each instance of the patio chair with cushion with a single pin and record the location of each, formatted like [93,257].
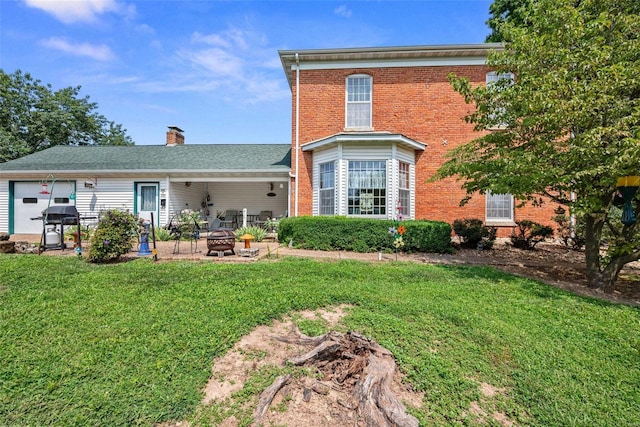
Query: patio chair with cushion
[229,219]
[263,217]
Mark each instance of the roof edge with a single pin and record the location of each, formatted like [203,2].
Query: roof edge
[364,137]
[290,57]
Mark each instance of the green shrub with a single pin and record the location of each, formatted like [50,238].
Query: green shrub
[474,234]
[113,235]
[428,236]
[529,233]
[162,234]
[69,233]
[330,233]
[272,224]
[257,232]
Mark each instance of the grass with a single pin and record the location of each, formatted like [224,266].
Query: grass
[132,344]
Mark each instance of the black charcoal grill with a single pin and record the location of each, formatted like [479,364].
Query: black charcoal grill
[57,216]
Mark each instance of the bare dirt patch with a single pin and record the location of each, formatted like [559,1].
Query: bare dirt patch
[305,400]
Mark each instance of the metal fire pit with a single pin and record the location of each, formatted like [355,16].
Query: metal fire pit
[220,241]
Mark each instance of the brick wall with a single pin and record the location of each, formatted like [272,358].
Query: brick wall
[417,102]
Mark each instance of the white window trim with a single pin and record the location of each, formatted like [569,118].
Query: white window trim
[387,188]
[346,103]
[407,189]
[334,188]
[492,77]
[506,221]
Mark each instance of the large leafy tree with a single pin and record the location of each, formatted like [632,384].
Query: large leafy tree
[33,117]
[502,11]
[568,124]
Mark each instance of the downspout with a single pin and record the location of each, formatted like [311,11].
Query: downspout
[297,131]
[168,205]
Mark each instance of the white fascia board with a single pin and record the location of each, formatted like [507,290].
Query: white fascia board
[116,172]
[374,137]
[419,62]
[230,179]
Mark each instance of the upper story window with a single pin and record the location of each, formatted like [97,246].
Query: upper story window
[358,108]
[493,77]
[327,199]
[498,81]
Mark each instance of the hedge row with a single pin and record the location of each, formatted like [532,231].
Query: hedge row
[330,233]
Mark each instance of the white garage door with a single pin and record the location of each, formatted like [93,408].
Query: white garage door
[29,203]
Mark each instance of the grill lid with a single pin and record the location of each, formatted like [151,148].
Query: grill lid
[60,211]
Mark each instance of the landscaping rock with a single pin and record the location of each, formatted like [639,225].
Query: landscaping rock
[24,247]
[4,236]
[7,247]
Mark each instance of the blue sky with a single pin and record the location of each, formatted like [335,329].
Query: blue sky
[209,67]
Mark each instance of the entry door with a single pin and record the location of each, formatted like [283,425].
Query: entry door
[147,201]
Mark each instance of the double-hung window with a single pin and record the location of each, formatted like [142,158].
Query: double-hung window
[404,190]
[499,207]
[358,108]
[498,82]
[367,183]
[327,189]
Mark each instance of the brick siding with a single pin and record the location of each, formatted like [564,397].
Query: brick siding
[417,102]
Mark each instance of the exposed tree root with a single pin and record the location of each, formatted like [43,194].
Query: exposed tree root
[355,365]
[267,396]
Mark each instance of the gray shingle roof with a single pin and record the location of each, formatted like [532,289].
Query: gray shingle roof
[153,158]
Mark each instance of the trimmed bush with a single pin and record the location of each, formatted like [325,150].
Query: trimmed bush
[331,233]
[474,234]
[529,233]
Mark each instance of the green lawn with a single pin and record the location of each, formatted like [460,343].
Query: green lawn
[132,344]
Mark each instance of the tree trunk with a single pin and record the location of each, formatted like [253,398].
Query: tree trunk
[599,276]
[593,237]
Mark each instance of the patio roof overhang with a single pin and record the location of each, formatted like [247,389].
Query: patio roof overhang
[365,137]
[173,175]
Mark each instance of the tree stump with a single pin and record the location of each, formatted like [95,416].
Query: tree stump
[354,364]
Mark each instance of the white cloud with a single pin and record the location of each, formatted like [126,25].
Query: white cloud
[145,28]
[98,52]
[70,11]
[215,60]
[231,38]
[342,10]
[235,64]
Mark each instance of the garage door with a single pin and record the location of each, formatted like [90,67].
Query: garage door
[29,203]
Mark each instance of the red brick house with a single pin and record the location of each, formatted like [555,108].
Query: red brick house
[371,125]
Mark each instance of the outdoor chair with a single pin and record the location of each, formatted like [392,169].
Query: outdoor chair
[263,217]
[229,219]
[179,228]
